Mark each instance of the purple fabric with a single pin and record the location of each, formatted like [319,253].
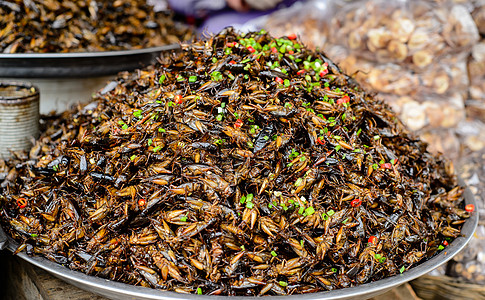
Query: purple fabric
[218,19]
[197,8]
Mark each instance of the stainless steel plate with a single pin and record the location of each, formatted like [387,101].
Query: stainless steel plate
[77,64]
[116,290]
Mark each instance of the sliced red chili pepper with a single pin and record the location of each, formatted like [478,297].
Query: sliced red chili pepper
[141,202]
[355,202]
[445,243]
[232,62]
[274,50]
[230,45]
[300,72]
[238,124]
[323,73]
[469,207]
[373,240]
[251,49]
[21,202]
[279,80]
[291,52]
[386,166]
[320,141]
[292,36]
[344,99]
[178,99]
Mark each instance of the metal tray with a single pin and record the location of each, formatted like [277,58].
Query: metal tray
[117,290]
[77,64]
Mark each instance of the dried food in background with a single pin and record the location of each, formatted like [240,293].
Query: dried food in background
[85,26]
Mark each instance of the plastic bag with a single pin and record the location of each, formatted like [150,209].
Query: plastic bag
[469,264]
[425,113]
[478,15]
[447,75]
[306,19]
[476,70]
[412,33]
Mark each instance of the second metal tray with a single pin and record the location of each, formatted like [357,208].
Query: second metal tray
[77,64]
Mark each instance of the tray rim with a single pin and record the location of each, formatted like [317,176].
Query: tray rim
[94,54]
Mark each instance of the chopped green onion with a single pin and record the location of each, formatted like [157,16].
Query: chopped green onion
[330,212]
[402,269]
[273,253]
[183,218]
[199,291]
[192,78]
[309,211]
[283,283]
[162,79]
[137,113]
[216,76]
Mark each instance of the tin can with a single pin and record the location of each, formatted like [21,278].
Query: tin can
[19,117]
